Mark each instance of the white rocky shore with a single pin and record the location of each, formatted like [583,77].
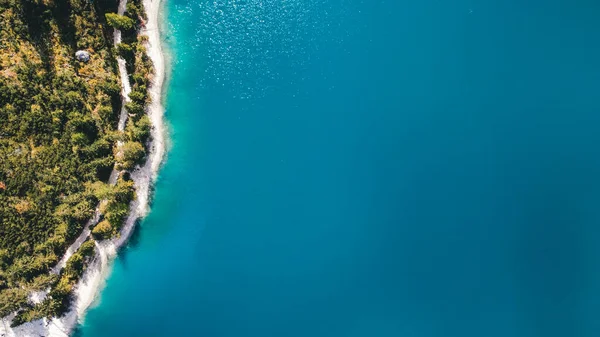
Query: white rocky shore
[92,280]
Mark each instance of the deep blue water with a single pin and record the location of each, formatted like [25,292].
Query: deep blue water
[371,168]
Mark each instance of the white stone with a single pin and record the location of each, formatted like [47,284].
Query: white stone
[82,55]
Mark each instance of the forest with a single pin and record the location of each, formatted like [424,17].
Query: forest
[59,141]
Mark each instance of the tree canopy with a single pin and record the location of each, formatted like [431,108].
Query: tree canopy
[58,140]
[119,21]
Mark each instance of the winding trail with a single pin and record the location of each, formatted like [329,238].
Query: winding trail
[114,174]
[89,285]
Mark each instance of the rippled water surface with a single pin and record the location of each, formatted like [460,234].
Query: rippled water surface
[371,168]
[249,46]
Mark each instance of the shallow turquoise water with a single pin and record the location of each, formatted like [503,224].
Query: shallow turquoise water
[371,168]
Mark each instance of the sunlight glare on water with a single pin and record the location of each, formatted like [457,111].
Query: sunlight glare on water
[246,43]
[346,168]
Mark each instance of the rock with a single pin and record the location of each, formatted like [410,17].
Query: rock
[82,56]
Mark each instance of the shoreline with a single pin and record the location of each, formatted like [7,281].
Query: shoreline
[89,286]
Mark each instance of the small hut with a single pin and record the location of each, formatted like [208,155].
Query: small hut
[82,56]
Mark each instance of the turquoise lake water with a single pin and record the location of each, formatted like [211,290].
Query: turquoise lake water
[371,168]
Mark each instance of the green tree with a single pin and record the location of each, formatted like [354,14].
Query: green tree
[87,248]
[119,21]
[139,131]
[11,299]
[126,51]
[133,153]
[103,230]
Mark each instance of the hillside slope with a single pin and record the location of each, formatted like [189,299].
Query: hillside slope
[58,141]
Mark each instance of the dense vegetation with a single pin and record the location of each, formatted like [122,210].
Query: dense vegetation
[59,298]
[58,140]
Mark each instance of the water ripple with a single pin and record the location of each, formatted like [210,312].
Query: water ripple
[243,45]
